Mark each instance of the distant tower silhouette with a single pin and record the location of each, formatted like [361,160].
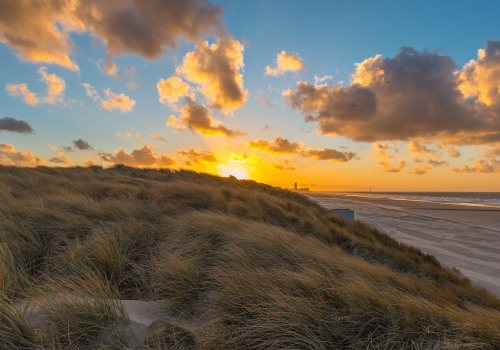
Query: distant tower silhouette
[295,185]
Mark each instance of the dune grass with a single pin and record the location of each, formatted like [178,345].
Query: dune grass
[242,265]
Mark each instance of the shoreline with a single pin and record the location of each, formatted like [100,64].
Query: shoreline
[462,236]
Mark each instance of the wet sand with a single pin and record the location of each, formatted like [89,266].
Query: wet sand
[461,236]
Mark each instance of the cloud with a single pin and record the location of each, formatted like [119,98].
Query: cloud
[480,78]
[121,102]
[140,157]
[158,137]
[197,157]
[21,90]
[14,125]
[286,62]
[417,146]
[30,27]
[436,162]
[259,97]
[172,89]
[82,145]
[282,166]
[195,117]
[481,166]
[55,87]
[419,170]
[91,92]
[61,159]
[216,68]
[493,151]
[328,154]
[39,31]
[130,136]
[386,166]
[278,146]
[283,146]
[9,156]
[111,68]
[318,80]
[412,95]
[381,151]
[54,90]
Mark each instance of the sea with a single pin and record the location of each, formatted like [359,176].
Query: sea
[486,199]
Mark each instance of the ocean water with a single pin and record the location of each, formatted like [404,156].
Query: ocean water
[488,199]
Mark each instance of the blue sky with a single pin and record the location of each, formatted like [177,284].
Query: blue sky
[327,38]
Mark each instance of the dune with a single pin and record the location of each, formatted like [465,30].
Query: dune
[124,258]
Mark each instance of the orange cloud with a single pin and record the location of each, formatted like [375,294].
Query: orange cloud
[158,137]
[39,31]
[9,156]
[195,117]
[121,102]
[283,166]
[21,90]
[278,146]
[286,62]
[419,170]
[55,87]
[140,157]
[413,95]
[381,151]
[481,166]
[61,159]
[54,91]
[172,89]
[327,154]
[91,92]
[481,78]
[283,146]
[111,68]
[197,157]
[216,68]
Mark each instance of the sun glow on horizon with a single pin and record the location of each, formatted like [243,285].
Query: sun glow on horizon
[238,171]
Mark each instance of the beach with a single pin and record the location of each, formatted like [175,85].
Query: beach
[466,237]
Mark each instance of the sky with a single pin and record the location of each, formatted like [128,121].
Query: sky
[332,95]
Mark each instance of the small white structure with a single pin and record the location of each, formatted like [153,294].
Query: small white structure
[346,214]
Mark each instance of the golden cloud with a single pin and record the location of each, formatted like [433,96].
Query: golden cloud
[216,68]
[21,90]
[198,157]
[172,89]
[61,159]
[195,117]
[54,90]
[414,95]
[39,31]
[419,170]
[481,78]
[286,62]
[283,146]
[381,151]
[55,87]
[278,146]
[121,102]
[140,157]
[481,166]
[9,156]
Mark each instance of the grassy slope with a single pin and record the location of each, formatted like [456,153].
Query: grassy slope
[243,265]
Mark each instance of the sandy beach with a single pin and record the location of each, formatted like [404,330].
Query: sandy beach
[461,236]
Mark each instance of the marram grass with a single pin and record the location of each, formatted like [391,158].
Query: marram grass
[237,264]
